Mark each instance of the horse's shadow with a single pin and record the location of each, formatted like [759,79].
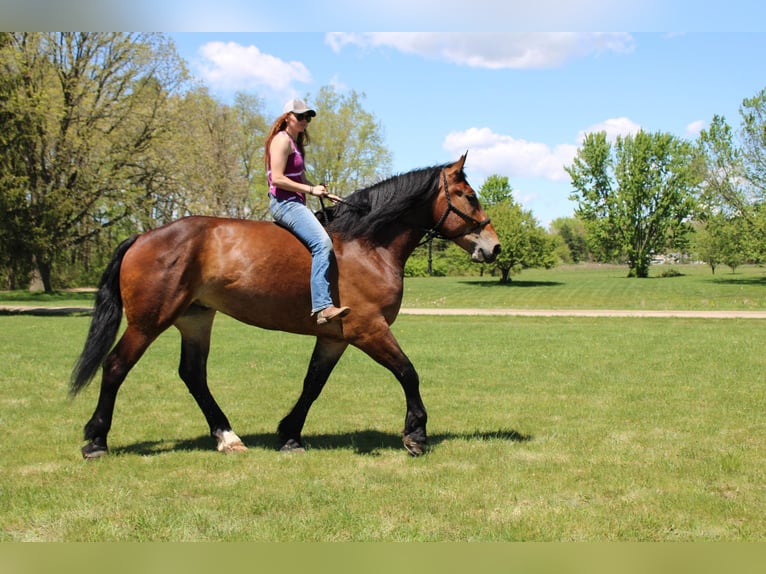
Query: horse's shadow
[362,442]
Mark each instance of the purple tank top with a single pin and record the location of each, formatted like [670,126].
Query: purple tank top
[294,171]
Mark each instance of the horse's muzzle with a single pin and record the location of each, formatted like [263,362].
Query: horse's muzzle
[485,255]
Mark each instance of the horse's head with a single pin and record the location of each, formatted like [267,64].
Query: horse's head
[459,216]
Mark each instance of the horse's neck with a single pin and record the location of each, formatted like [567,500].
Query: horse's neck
[402,244]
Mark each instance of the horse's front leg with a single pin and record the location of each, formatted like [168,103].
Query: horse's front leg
[414,435]
[382,346]
[323,360]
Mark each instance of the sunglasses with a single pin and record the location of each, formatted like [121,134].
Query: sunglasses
[304,116]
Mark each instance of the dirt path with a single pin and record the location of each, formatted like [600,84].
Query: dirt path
[31,310]
[590,313]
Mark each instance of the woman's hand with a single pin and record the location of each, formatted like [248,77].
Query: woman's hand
[318,190]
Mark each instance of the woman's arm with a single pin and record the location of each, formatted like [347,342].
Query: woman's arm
[279,150]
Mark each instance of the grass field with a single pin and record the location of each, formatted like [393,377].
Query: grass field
[597,287]
[542,429]
[564,287]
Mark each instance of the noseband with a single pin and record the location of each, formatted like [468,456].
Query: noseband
[435,230]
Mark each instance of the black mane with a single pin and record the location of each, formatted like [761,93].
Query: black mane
[367,211]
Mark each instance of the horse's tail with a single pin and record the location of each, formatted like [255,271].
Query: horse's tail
[107,315]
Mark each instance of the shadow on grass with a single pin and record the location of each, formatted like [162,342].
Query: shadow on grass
[513,283]
[734,280]
[47,311]
[364,442]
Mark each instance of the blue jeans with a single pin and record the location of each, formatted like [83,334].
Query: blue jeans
[299,219]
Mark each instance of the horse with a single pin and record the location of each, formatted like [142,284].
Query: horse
[184,272]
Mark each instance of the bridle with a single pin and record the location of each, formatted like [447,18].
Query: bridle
[435,232]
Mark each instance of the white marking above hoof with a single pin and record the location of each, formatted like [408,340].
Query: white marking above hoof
[229,442]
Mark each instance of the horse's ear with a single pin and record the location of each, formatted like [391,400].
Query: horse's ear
[461,162]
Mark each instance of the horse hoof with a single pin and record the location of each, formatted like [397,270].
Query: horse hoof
[91,451]
[414,448]
[292,445]
[228,442]
[233,447]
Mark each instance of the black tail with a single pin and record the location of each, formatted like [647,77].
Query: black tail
[107,315]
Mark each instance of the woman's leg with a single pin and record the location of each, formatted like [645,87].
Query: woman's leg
[300,221]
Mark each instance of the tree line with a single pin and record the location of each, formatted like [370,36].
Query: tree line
[648,193]
[103,135]
[646,196]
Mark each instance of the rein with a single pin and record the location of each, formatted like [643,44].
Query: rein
[435,232]
[338,200]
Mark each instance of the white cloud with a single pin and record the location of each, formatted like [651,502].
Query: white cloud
[338,85]
[694,128]
[492,153]
[229,65]
[491,50]
[613,127]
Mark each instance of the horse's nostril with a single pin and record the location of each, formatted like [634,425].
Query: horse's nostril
[497,249]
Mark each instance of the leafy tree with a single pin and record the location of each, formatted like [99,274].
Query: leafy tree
[494,190]
[753,113]
[252,127]
[206,154]
[726,240]
[80,114]
[346,151]
[709,245]
[724,186]
[634,196]
[735,172]
[571,231]
[525,243]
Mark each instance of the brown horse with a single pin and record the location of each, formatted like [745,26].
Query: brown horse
[182,273]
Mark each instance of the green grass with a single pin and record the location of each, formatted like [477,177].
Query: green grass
[564,287]
[596,287]
[542,429]
[37,298]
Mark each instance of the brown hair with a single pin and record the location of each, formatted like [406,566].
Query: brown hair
[279,126]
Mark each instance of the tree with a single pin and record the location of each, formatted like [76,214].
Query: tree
[724,189]
[726,240]
[525,243]
[81,112]
[634,196]
[753,113]
[252,128]
[346,151]
[494,190]
[571,230]
[207,156]
[734,170]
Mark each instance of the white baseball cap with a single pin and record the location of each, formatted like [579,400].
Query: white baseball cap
[298,107]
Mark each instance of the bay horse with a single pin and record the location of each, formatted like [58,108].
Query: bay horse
[257,272]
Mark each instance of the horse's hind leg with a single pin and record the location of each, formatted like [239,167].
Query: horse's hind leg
[323,360]
[116,366]
[195,327]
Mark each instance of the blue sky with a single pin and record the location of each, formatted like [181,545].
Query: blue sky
[519,103]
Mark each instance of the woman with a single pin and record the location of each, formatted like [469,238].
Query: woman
[288,187]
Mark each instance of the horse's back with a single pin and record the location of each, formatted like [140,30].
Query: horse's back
[233,265]
[255,271]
